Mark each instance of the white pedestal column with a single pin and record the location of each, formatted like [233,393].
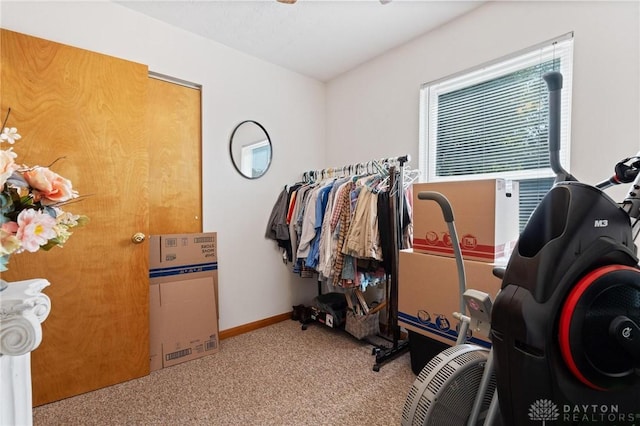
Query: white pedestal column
[22,309]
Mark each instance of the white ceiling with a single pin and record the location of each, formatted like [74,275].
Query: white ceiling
[317,38]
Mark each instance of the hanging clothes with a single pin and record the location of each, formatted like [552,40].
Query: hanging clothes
[277,228]
[308,224]
[313,257]
[297,220]
[363,239]
[328,236]
[384,224]
[340,228]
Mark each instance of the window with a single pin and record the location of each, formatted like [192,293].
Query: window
[255,158]
[492,122]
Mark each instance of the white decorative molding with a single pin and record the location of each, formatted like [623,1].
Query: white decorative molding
[22,309]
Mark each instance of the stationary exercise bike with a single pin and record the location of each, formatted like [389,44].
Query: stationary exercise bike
[565,325]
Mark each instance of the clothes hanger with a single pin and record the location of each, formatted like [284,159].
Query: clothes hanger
[410,176]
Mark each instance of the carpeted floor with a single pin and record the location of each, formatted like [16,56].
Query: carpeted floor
[277,375]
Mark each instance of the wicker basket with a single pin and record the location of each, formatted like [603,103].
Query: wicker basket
[361,326]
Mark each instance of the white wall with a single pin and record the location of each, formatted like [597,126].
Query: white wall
[373,110]
[369,112]
[254,283]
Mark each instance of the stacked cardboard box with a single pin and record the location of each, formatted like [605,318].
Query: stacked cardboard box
[485,215]
[183,298]
[428,294]
[486,220]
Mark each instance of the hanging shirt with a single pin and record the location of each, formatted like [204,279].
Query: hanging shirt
[295,208]
[298,214]
[328,236]
[277,228]
[308,224]
[363,239]
[320,207]
[343,229]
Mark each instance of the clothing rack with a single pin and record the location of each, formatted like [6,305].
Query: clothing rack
[386,165]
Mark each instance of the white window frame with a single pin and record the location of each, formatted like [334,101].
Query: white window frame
[558,47]
[248,156]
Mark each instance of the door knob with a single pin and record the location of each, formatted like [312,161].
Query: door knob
[138,237]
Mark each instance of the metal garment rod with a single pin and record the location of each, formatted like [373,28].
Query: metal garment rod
[356,167]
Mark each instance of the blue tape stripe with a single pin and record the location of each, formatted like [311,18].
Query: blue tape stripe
[430,327]
[181,270]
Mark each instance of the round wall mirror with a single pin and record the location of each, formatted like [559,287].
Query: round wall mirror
[250,149]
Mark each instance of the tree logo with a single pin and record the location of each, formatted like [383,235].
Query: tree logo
[543,410]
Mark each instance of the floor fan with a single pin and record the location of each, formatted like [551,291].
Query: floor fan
[446,389]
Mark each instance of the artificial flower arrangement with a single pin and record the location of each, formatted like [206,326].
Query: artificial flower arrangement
[31,201]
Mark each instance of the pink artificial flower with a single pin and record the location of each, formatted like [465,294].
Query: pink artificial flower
[7,165]
[50,188]
[10,227]
[35,229]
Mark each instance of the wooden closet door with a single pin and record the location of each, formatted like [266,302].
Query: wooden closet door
[91,109]
[175,174]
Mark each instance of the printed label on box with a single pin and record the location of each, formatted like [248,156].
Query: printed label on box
[439,329]
[468,246]
[177,271]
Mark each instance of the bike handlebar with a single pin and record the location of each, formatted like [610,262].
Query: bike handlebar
[554,84]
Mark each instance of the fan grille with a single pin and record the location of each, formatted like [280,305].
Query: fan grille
[445,390]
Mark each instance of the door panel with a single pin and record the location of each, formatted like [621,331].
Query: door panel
[175,175]
[90,109]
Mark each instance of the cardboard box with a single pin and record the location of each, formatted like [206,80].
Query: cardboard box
[171,255]
[485,216]
[183,323]
[428,294]
[182,298]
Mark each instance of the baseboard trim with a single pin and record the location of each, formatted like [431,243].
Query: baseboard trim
[235,331]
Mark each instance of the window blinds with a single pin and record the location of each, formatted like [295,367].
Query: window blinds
[492,122]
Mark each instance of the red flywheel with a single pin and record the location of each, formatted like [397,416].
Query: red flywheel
[598,330]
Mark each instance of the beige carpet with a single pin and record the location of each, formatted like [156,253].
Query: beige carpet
[277,375]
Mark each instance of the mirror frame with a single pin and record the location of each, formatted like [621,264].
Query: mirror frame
[233,159]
